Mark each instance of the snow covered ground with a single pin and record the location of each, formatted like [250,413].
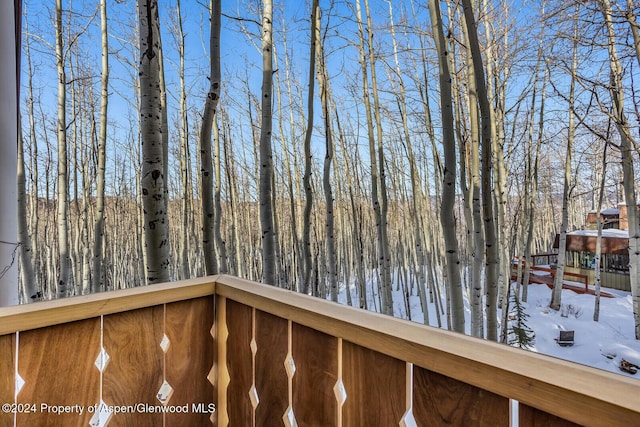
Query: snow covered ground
[613,335]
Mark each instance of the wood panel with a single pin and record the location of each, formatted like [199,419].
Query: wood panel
[7,376]
[316,358]
[375,386]
[189,360]
[133,375]
[271,377]
[443,401]
[239,364]
[532,417]
[581,394]
[57,365]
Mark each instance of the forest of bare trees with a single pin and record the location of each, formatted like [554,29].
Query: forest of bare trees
[415,145]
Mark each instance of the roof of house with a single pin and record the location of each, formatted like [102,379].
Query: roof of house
[614,241]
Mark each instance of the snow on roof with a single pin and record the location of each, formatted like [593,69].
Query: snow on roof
[610,211]
[609,232]
[607,211]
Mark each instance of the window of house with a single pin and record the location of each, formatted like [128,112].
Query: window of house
[618,263]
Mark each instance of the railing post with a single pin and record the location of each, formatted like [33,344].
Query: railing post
[222,379]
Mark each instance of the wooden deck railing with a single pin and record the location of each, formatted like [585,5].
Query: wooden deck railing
[265,356]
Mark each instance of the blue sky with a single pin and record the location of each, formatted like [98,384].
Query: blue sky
[241,62]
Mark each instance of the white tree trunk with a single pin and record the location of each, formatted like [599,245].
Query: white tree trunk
[598,281]
[447,216]
[477,243]
[490,235]
[325,94]
[266,160]
[221,246]
[28,237]
[153,178]
[556,296]
[416,190]
[98,233]
[206,168]
[308,205]
[383,234]
[64,256]
[628,174]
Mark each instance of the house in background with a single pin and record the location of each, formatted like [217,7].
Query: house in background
[614,261]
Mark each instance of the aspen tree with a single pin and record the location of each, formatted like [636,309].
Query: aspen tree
[383,234]
[276,221]
[306,232]
[153,180]
[598,281]
[64,256]
[531,180]
[295,151]
[232,183]
[497,88]
[447,216]
[221,247]
[429,227]
[374,158]
[98,231]
[185,162]
[627,151]
[295,264]
[323,85]
[29,284]
[490,236]
[357,220]
[478,253]
[416,189]
[206,164]
[76,137]
[164,125]
[82,233]
[556,296]
[28,256]
[266,159]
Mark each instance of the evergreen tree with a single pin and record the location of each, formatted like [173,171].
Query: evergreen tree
[520,334]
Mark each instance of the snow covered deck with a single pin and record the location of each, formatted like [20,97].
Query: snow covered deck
[227,351]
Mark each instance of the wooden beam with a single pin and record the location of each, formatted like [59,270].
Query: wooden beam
[48,313]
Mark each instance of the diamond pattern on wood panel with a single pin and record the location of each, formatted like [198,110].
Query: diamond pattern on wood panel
[19,383]
[289,418]
[253,396]
[165,392]
[408,419]
[253,346]
[165,343]
[340,392]
[253,392]
[101,416]
[102,359]
[290,366]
